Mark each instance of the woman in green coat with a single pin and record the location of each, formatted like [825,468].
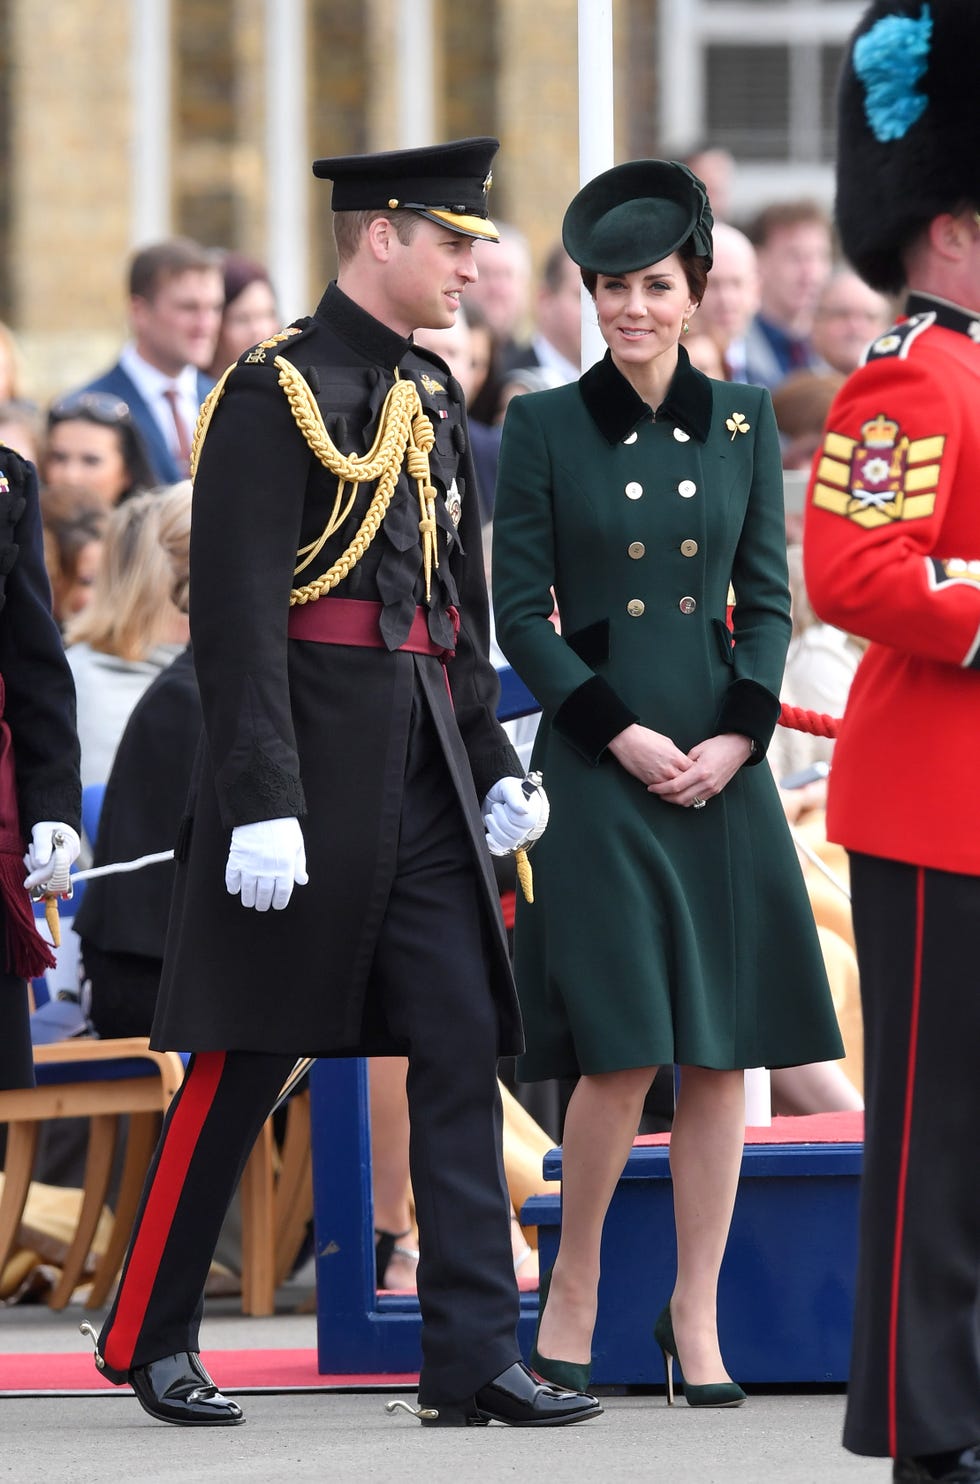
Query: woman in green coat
[670,922]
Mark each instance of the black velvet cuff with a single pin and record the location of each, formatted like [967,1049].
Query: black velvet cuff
[591,717]
[752,710]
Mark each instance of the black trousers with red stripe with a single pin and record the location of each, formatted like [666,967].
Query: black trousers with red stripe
[430,978]
[915,1366]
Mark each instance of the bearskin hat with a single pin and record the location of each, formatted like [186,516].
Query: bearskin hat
[908,144]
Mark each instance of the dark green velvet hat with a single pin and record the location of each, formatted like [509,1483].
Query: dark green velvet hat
[636,214]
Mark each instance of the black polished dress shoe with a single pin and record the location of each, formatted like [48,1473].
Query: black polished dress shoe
[516,1398]
[179,1389]
[940,1468]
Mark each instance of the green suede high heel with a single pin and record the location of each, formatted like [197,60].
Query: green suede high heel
[713,1394]
[571,1374]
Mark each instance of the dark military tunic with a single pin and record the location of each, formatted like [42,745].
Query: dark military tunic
[39,708]
[658,933]
[321,731]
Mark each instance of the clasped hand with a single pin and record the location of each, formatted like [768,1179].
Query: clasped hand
[265,861]
[680,777]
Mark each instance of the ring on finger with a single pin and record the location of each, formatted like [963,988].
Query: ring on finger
[698,803]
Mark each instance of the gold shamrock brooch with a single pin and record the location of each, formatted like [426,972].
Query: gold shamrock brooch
[737,424]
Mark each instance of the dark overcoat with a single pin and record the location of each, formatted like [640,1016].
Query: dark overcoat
[658,933]
[320,731]
[39,708]
[145,796]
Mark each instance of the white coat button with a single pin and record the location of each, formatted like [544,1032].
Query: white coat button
[636,549]
[631,437]
[633,490]
[687,488]
[635,607]
[681,436]
[687,605]
[689,548]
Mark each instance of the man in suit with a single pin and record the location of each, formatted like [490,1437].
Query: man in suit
[176,295]
[327,636]
[793,245]
[556,341]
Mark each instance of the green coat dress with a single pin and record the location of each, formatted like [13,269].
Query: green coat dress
[658,934]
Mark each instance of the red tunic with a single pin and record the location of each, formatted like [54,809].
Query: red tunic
[892,553]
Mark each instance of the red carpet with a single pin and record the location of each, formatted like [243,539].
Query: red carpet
[234,1370]
[816,1128]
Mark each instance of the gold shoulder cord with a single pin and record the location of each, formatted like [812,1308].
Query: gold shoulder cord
[404,435]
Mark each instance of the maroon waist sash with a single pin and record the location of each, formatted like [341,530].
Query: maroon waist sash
[355,621]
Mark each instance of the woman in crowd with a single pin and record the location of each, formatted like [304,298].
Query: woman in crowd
[74,531]
[250,312]
[93,444]
[668,901]
[134,625]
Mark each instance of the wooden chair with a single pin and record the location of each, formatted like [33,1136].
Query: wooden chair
[101,1081]
[107,1080]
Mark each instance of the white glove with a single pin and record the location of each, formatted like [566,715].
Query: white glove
[515,814]
[265,862]
[49,862]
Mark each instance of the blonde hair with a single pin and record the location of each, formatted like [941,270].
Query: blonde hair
[142,576]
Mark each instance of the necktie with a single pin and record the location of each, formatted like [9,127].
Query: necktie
[183,440]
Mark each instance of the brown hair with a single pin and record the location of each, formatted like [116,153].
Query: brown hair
[151,267]
[695,271]
[349,227]
[781,214]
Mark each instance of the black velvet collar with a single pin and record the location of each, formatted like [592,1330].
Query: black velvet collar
[362,332]
[616,407]
[950,316]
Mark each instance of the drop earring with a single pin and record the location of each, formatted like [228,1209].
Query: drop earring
[685,327]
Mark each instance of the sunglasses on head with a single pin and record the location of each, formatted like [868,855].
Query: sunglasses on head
[99,407]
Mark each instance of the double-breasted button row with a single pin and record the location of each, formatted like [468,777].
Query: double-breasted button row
[636,549]
[636,606]
[685,489]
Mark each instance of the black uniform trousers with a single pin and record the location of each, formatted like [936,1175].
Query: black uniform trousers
[431,974]
[915,1366]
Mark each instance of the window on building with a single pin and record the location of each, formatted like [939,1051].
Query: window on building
[758,78]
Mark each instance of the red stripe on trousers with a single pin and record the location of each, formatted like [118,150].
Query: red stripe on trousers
[184,1130]
[903,1167]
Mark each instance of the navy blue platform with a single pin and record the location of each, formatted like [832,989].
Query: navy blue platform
[787,1283]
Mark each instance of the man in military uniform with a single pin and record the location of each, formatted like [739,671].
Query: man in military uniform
[339,621]
[892,550]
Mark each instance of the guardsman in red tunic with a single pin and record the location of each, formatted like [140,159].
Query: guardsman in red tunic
[892,553]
